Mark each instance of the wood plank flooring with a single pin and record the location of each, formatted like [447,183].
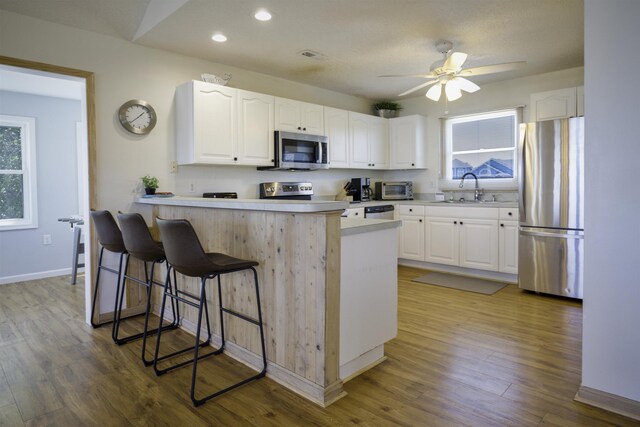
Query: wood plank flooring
[460,358]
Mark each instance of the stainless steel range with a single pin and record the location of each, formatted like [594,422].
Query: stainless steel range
[286,190]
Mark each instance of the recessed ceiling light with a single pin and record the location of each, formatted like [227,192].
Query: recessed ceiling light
[262,15]
[219,37]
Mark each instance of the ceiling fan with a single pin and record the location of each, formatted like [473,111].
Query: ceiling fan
[447,74]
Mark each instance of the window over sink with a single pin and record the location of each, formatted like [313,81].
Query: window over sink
[484,144]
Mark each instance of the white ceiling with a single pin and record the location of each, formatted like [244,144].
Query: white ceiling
[360,39]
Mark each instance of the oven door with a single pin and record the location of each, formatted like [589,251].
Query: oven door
[301,151]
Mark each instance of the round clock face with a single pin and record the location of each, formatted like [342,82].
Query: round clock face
[137,116]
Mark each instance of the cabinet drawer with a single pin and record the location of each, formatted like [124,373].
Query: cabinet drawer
[461,212]
[410,210]
[509,214]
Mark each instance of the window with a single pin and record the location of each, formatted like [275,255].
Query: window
[18,208]
[484,144]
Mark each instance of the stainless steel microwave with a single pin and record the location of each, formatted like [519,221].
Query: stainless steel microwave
[399,190]
[300,151]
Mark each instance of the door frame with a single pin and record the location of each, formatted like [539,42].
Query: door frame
[89,79]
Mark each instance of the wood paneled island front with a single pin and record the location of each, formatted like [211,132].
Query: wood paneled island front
[297,244]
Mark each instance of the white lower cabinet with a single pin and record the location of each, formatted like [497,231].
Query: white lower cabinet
[508,241]
[411,236]
[466,237]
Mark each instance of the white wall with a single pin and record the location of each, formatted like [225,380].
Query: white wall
[611,341]
[23,253]
[125,71]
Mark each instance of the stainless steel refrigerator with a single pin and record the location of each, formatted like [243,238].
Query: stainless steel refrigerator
[551,166]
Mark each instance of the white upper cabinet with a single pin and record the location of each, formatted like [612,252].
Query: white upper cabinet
[369,141]
[206,123]
[297,116]
[336,125]
[556,104]
[407,142]
[222,125]
[255,128]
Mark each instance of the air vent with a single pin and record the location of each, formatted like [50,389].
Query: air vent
[312,54]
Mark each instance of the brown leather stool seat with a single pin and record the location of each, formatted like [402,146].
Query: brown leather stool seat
[140,245]
[186,256]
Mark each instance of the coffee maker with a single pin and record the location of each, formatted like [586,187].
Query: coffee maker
[361,189]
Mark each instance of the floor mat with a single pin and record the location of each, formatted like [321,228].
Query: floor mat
[463,283]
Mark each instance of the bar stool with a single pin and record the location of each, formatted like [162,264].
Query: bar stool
[186,256]
[140,245]
[110,238]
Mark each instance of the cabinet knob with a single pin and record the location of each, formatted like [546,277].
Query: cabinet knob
[304,128]
[410,210]
[299,128]
[420,220]
[501,225]
[357,213]
[373,164]
[455,222]
[413,164]
[510,213]
[461,222]
[235,159]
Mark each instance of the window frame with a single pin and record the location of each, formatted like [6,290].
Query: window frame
[447,182]
[29,173]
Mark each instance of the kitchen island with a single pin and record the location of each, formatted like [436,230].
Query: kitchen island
[298,245]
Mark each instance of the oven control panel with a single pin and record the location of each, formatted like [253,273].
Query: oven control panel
[285,189]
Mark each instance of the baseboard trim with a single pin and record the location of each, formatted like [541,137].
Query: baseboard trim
[35,276]
[610,402]
[470,272]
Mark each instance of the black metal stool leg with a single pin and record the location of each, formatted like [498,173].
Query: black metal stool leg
[260,324]
[119,298]
[96,290]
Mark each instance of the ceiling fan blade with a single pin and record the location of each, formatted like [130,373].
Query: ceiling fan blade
[434,93]
[489,69]
[452,89]
[424,76]
[418,87]
[454,61]
[466,85]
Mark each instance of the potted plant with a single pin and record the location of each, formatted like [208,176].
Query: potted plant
[150,184]
[387,109]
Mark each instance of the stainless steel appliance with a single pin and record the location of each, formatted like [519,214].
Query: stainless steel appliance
[379,212]
[361,189]
[286,190]
[299,151]
[387,190]
[551,166]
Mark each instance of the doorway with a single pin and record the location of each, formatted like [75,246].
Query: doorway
[85,136]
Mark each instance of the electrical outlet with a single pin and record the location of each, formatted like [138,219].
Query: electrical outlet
[46,239]
[192,187]
[174,167]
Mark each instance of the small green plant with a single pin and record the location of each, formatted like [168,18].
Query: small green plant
[387,105]
[149,182]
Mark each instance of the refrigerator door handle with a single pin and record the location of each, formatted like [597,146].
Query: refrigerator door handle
[523,133]
[567,234]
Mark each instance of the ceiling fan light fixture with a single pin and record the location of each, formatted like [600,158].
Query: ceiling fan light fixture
[435,92]
[452,90]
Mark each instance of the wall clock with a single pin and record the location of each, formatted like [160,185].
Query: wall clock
[137,116]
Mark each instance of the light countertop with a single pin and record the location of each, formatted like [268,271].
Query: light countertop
[435,203]
[350,226]
[302,206]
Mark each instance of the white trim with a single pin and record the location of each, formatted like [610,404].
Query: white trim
[35,276]
[446,181]
[609,402]
[29,173]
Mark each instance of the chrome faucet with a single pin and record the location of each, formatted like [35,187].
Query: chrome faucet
[478,192]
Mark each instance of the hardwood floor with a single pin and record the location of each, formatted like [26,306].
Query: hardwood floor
[460,358]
